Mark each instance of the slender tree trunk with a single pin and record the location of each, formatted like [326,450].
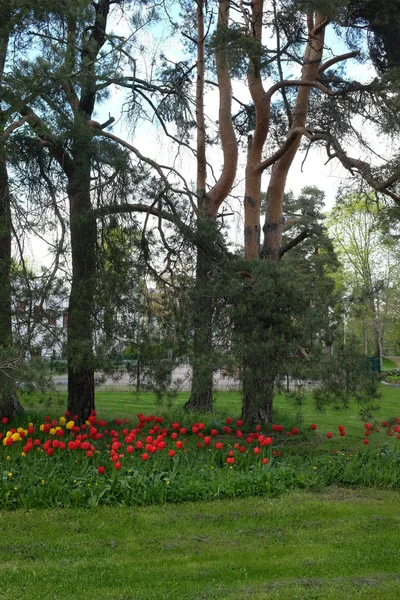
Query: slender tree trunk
[202,367]
[9,404]
[80,317]
[253,173]
[377,339]
[208,204]
[365,338]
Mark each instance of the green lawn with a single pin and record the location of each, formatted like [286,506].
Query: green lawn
[120,404]
[388,364]
[338,545]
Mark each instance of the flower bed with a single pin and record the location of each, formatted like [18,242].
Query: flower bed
[59,463]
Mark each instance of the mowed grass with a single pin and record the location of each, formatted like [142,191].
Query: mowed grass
[339,544]
[387,363]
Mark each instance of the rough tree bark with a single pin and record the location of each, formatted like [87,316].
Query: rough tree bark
[274,221]
[80,319]
[76,165]
[82,222]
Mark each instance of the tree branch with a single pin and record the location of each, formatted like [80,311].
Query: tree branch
[320,26]
[157,167]
[333,61]
[42,131]
[362,167]
[291,138]
[294,242]
[13,126]
[162,123]
[315,84]
[126,207]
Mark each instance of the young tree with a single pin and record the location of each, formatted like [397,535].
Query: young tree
[369,261]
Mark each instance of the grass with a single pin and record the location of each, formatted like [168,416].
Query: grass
[336,545]
[388,364]
[267,537]
[112,404]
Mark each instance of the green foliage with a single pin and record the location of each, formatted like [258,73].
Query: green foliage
[369,267]
[384,23]
[266,306]
[175,107]
[346,377]
[316,262]
[30,375]
[241,48]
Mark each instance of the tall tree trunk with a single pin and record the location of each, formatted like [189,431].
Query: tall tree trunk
[208,205]
[80,311]
[202,370]
[377,339]
[82,223]
[365,338]
[258,382]
[256,142]
[9,404]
